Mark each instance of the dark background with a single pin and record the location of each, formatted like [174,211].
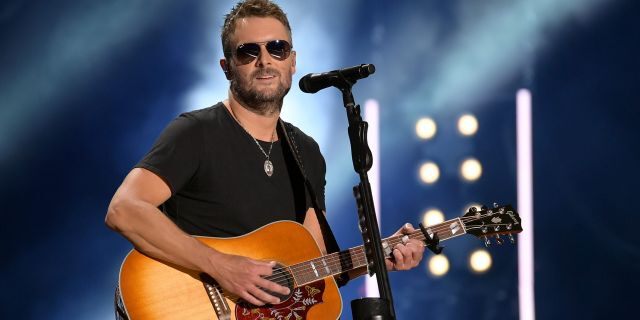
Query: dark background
[85,87]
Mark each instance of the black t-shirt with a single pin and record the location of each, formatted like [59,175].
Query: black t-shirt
[216,175]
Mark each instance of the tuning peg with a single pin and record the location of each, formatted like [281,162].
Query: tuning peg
[513,240]
[487,241]
[499,240]
[495,205]
[473,209]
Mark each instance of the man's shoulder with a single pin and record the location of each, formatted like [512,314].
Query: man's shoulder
[213,112]
[300,136]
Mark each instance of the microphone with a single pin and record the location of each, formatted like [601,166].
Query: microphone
[314,82]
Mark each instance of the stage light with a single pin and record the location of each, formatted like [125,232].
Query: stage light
[429,172]
[438,265]
[480,261]
[426,128]
[526,276]
[432,217]
[467,124]
[471,169]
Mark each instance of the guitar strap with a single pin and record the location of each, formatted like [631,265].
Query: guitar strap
[330,242]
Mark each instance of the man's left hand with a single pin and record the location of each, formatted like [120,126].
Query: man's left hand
[406,255]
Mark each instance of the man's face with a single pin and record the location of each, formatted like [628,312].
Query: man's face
[261,84]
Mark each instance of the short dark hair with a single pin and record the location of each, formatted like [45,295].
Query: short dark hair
[250,8]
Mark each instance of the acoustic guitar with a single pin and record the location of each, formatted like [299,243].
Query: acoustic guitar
[153,289]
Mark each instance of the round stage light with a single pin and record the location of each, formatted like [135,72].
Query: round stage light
[471,169]
[480,261]
[429,172]
[438,265]
[432,217]
[467,124]
[426,128]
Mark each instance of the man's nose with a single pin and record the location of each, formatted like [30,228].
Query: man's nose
[264,57]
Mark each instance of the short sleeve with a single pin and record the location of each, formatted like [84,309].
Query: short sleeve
[175,156]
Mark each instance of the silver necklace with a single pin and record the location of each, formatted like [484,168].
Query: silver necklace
[268,165]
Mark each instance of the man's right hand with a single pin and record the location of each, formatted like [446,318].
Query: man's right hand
[244,277]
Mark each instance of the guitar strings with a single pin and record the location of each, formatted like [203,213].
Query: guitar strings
[331,259]
[304,271]
[437,228]
[347,256]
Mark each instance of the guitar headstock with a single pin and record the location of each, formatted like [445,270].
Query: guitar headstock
[496,221]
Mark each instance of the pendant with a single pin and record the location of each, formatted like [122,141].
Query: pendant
[268,167]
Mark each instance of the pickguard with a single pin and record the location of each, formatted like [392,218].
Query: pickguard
[294,308]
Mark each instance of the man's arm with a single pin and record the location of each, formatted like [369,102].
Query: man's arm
[133,212]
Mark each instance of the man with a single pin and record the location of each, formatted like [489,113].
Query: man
[226,170]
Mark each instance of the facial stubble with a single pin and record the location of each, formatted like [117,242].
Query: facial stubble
[263,102]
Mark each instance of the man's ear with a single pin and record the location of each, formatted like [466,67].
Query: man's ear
[225,68]
[293,62]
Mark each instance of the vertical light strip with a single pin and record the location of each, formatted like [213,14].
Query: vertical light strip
[525,205]
[372,116]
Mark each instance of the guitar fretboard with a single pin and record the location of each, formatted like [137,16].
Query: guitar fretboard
[353,258]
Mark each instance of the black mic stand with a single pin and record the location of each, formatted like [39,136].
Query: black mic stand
[366,308]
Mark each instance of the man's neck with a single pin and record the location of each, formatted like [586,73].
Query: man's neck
[261,127]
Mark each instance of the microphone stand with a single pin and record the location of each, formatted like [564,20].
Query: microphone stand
[366,308]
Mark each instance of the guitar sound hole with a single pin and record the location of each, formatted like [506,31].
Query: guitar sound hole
[283,277]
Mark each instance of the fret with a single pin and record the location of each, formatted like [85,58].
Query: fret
[448,229]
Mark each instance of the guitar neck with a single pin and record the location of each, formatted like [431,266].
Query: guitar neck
[354,258]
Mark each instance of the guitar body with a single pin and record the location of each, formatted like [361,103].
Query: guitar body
[152,289]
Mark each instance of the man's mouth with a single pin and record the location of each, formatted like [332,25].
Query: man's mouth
[265,77]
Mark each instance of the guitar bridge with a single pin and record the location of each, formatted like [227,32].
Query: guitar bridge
[214,292]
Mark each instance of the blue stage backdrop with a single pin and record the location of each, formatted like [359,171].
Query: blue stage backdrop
[86,87]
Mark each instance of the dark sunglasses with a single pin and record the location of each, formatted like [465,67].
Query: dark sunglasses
[247,52]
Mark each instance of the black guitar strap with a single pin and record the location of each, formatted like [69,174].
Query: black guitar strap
[329,239]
